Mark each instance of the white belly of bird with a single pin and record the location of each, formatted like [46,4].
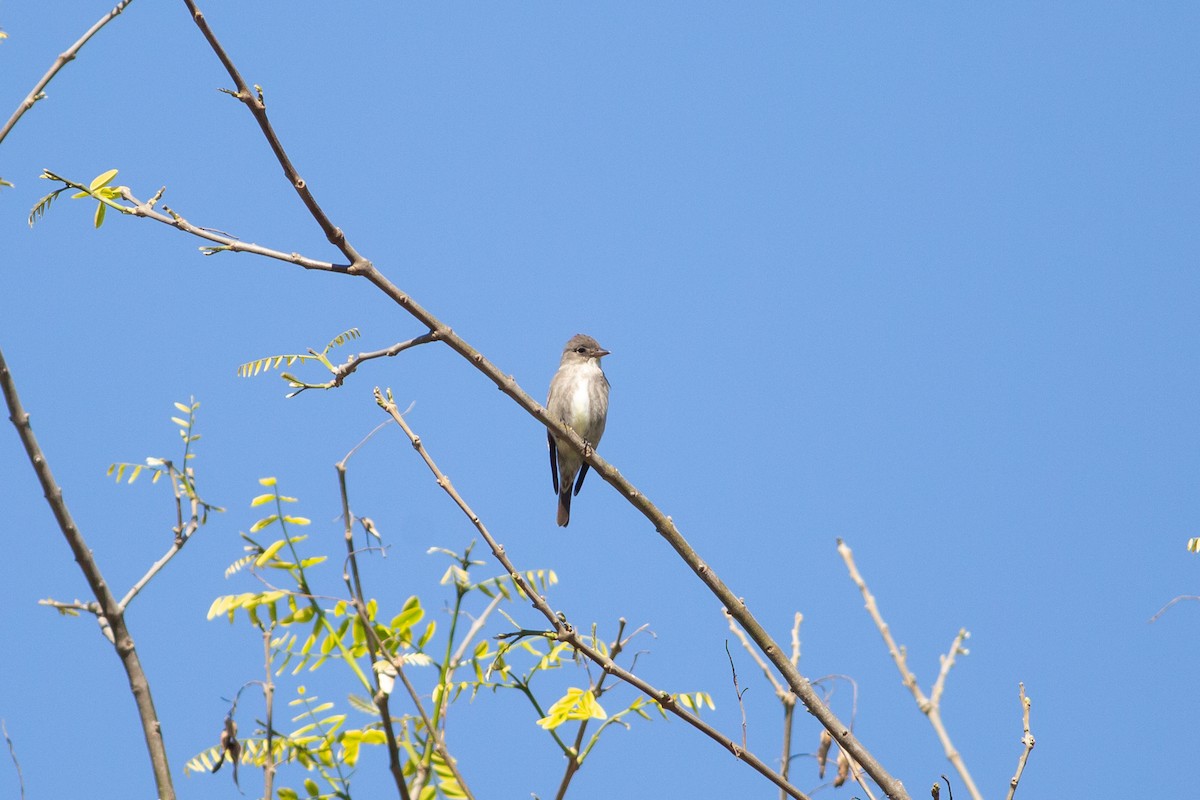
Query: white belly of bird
[581,405]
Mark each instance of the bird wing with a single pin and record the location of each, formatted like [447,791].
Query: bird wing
[553,460]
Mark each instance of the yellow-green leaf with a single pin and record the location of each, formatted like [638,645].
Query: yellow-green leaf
[262,523]
[270,552]
[102,179]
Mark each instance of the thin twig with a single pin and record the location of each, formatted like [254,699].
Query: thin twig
[789,702]
[564,632]
[66,57]
[255,103]
[856,772]
[1178,599]
[737,691]
[111,615]
[786,697]
[355,361]
[226,243]
[1027,740]
[476,626]
[929,707]
[268,688]
[91,608]
[12,752]
[354,583]
[155,568]
[780,690]
[576,753]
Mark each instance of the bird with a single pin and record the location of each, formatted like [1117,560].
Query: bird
[579,399]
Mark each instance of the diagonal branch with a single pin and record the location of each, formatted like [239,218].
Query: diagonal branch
[66,57]
[111,612]
[563,631]
[257,106]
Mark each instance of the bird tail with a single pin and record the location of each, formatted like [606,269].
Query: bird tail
[564,505]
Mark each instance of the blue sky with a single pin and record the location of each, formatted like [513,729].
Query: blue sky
[923,278]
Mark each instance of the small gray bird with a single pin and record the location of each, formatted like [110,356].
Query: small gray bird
[578,398]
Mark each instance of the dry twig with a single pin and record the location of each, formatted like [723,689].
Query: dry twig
[930,706]
[1027,740]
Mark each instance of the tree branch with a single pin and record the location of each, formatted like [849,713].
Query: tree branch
[354,583]
[564,632]
[255,103]
[12,752]
[66,57]
[111,612]
[1027,740]
[929,707]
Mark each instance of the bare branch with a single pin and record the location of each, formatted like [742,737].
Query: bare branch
[1027,740]
[111,612]
[929,707]
[66,57]
[225,242]
[12,752]
[255,104]
[737,691]
[268,688]
[780,691]
[1178,599]
[355,361]
[354,583]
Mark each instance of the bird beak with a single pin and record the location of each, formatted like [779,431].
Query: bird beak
[601,353]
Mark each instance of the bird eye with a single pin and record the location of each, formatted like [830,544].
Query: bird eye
[580,350]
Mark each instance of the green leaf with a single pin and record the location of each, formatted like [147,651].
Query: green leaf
[374,737]
[425,637]
[270,552]
[102,179]
[262,498]
[264,522]
[575,704]
[100,211]
[42,206]
[410,615]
